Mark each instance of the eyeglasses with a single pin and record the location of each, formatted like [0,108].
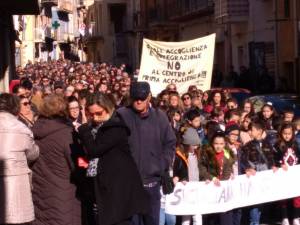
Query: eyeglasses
[96,113]
[74,108]
[186,98]
[26,103]
[141,100]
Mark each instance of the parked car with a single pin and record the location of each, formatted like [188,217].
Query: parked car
[279,101]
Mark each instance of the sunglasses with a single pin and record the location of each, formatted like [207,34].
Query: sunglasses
[26,103]
[96,114]
[186,98]
[74,108]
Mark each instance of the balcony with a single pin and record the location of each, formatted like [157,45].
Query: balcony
[60,36]
[65,6]
[49,3]
[158,17]
[181,10]
[39,35]
[92,33]
[231,11]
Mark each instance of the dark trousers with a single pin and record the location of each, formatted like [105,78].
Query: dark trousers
[290,205]
[125,222]
[225,218]
[236,216]
[152,218]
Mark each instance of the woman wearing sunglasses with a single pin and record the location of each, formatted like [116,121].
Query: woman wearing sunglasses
[118,186]
[26,115]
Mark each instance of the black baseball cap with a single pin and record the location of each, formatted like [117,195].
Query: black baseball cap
[139,90]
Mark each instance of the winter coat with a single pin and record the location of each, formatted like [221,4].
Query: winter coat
[152,142]
[286,153]
[54,195]
[180,166]
[251,158]
[209,166]
[119,189]
[17,151]
[298,140]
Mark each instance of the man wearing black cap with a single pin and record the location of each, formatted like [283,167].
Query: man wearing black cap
[152,142]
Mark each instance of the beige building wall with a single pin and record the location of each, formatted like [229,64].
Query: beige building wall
[27,37]
[259,28]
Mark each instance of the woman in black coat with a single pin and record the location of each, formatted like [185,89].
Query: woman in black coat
[119,189]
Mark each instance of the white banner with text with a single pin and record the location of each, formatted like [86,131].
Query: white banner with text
[201,198]
[182,63]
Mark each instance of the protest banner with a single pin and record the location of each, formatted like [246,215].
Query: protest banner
[181,63]
[201,198]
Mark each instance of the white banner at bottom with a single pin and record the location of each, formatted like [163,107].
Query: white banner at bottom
[267,186]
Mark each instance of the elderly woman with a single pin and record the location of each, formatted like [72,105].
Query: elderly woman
[26,114]
[119,189]
[54,195]
[17,150]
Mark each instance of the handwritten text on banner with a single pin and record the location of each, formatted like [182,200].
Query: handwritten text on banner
[200,198]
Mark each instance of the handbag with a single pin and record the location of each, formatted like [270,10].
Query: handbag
[167,183]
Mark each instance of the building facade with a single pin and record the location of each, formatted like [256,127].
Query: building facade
[249,33]
[55,33]
[111,35]
[8,35]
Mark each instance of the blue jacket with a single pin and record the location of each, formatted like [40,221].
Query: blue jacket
[152,142]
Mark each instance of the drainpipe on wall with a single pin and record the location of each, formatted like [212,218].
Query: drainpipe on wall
[296,44]
[276,44]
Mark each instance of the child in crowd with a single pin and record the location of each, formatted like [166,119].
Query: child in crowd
[269,117]
[286,154]
[256,156]
[232,142]
[297,132]
[233,115]
[245,133]
[194,119]
[174,116]
[217,115]
[231,103]
[216,164]
[186,165]
[288,115]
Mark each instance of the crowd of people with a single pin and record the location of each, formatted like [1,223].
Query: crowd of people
[85,143]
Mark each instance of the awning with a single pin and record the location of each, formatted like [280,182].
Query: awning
[20,7]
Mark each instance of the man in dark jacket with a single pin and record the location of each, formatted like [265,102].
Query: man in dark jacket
[152,142]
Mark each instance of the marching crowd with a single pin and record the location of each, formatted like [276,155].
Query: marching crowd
[84,143]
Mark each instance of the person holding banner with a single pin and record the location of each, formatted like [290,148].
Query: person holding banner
[186,167]
[257,155]
[286,154]
[216,164]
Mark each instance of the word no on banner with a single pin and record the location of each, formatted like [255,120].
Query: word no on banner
[181,63]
